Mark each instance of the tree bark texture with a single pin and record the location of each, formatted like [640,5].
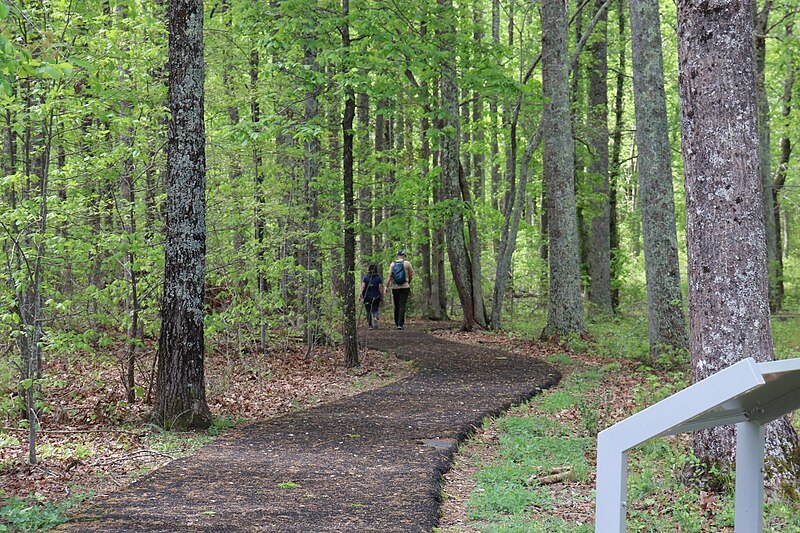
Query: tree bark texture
[349,332]
[313,267]
[180,400]
[365,177]
[615,168]
[494,150]
[600,239]
[780,176]
[664,298]
[729,317]
[460,265]
[564,309]
[762,105]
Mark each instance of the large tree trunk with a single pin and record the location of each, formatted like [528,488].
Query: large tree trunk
[180,400]
[729,317]
[349,289]
[664,298]
[600,240]
[564,309]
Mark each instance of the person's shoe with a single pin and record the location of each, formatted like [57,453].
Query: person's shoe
[399,327]
[371,327]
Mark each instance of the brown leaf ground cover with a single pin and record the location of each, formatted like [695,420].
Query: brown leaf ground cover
[93,440]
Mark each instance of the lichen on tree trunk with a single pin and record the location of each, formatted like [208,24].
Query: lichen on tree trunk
[729,316]
[180,400]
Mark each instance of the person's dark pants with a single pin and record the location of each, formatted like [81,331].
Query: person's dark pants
[372,311]
[400,298]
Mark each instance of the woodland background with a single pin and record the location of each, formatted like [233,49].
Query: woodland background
[83,198]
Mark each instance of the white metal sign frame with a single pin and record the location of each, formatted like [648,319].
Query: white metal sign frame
[748,394]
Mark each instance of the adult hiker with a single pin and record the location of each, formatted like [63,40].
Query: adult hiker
[400,275]
[371,294]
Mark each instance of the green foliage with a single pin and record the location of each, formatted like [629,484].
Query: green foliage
[221,423]
[34,514]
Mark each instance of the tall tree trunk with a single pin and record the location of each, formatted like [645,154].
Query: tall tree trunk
[600,241]
[180,400]
[664,298]
[475,254]
[460,264]
[493,112]
[729,317]
[576,98]
[128,214]
[761,19]
[780,176]
[478,157]
[427,305]
[260,199]
[349,289]
[365,187]
[439,284]
[564,309]
[615,166]
[313,267]
[381,181]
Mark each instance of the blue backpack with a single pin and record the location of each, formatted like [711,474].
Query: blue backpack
[398,273]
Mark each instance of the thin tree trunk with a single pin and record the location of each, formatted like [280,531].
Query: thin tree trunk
[365,177]
[615,166]
[479,183]
[260,200]
[761,19]
[664,298]
[493,113]
[439,288]
[780,178]
[427,306]
[349,289]
[729,315]
[576,99]
[128,210]
[313,267]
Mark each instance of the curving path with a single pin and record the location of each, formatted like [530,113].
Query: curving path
[371,462]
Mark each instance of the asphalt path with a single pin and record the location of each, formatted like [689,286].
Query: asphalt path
[368,463]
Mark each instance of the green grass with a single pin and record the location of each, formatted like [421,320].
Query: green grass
[536,438]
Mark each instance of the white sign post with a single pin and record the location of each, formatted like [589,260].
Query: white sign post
[748,394]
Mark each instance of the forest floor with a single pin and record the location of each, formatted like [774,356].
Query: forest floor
[413,426]
[93,442]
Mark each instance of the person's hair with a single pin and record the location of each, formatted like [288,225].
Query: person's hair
[373,269]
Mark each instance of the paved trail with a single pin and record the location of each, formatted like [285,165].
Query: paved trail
[368,463]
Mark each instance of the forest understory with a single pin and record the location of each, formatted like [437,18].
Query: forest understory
[94,442]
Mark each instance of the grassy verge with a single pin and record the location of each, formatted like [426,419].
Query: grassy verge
[533,470]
